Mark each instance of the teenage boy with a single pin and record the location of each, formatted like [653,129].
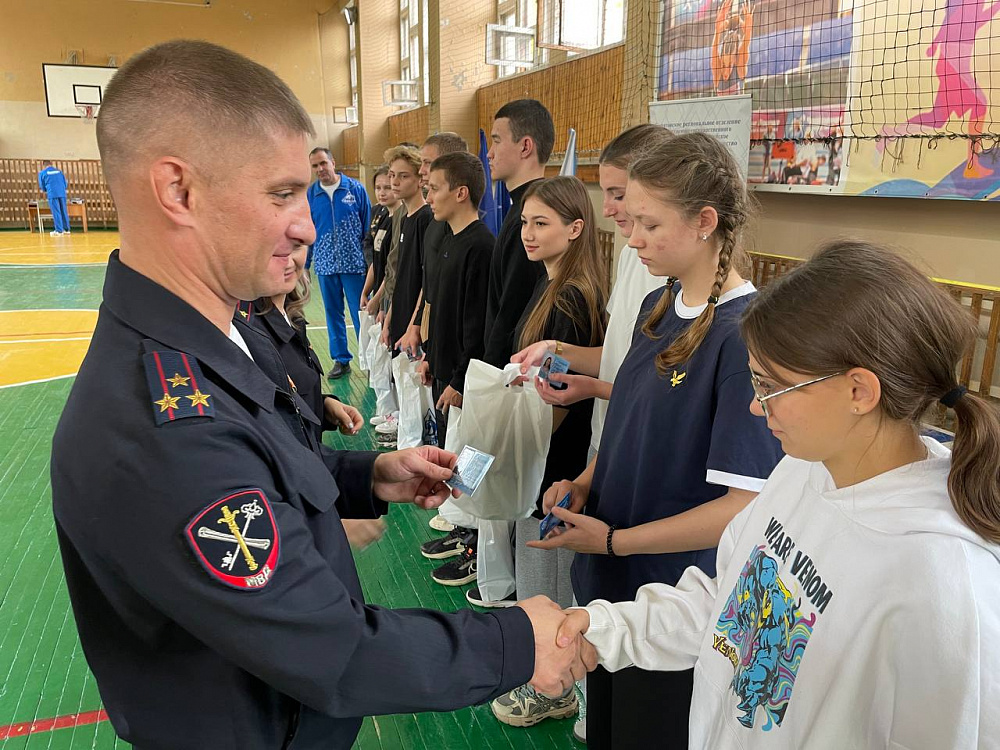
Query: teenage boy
[455,186]
[522,138]
[437,145]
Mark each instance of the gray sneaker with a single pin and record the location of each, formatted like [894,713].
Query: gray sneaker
[523,707]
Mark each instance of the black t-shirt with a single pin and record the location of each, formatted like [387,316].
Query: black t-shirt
[459,312]
[409,271]
[378,241]
[571,441]
[437,232]
[512,278]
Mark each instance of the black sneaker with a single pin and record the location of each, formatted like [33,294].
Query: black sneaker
[474,597]
[339,370]
[444,547]
[459,571]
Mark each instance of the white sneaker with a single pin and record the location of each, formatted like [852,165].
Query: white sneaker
[389,426]
[55,234]
[376,420]
[438,523]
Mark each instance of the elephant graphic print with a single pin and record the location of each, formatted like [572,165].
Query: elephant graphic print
[764,627]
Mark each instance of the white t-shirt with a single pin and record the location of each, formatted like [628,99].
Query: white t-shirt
[863,617]
[237,338]
[632,284]
[331,189]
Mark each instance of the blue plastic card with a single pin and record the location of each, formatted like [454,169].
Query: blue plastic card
[470,471]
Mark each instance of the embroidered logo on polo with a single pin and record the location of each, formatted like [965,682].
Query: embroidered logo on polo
[175,386]
[236,540]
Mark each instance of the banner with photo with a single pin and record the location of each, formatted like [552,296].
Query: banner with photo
[862,97]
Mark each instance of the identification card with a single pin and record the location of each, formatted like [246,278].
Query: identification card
[553,363]
[470,471]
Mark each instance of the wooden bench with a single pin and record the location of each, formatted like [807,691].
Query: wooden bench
[976,371]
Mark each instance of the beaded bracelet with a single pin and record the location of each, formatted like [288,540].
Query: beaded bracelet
[611,531]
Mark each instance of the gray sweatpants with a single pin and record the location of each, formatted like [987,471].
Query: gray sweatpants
[539,571]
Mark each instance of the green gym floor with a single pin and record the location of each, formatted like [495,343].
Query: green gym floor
[50,289]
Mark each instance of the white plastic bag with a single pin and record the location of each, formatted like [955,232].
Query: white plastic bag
[417,419]
[495,561]
[379,362]
[512,423]
[448,510]
[365,322]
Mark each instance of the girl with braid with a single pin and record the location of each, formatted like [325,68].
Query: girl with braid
[681,454]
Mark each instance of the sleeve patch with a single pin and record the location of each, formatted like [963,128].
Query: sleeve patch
[236,540]
[176,386]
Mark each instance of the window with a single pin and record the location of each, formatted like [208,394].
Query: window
[510,43]
[413,51]
[580,24]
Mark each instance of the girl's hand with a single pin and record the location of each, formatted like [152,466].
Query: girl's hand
[581,534]
[348,419]
[578,388]
[533,355]
[555,493]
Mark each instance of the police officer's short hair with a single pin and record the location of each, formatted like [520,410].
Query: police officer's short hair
[184,85]
[461,169]
[529,117]
[447,143]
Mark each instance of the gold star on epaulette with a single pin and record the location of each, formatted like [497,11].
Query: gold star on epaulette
[244,313]
[199,398]
[676,380]
[168,402]
[177,380]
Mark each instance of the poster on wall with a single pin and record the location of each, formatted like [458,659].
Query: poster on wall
[725,117]
[862,97]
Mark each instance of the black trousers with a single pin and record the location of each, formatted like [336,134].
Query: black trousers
[437,388]
[636,709]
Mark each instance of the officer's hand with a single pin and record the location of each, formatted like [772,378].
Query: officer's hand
[414,475]
[559,662]
[363,531]
[346,417]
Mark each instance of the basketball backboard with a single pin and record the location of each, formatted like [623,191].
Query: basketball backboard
[70,86]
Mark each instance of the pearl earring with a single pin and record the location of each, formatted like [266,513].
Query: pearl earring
[704,238]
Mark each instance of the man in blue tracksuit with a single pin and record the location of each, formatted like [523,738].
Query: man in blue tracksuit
[52,182]
[340,212]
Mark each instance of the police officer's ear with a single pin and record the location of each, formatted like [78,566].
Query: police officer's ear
[171,179]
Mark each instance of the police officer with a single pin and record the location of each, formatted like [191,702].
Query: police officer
[198,519]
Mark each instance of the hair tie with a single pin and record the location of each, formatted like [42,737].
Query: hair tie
[713,300]
[952,397]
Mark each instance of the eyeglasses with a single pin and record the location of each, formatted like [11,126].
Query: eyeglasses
[763,394]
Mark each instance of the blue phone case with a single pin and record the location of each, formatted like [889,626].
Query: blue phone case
[550,521]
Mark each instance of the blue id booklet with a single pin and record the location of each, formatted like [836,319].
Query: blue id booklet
[550,521]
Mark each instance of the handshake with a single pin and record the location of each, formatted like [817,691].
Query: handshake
[562,654]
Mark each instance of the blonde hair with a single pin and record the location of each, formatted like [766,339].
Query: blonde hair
[579,268]
[295,302]
[855,304]
[410,155]
[693,171]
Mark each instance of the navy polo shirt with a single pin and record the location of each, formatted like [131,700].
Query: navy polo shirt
[673,443]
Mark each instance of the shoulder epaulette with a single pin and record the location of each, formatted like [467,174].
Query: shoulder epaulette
[176,386]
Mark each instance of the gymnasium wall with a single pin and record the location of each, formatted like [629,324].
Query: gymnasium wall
[282,35]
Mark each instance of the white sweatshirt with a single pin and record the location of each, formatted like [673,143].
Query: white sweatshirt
[864,617]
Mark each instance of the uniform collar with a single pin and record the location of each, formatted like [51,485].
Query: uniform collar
[158,314]
[277,325]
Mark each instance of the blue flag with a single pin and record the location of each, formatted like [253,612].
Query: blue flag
[488,204]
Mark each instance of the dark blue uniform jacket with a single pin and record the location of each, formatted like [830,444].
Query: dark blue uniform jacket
[199,522]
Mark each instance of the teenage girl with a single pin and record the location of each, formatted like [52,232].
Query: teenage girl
[856,602]
[558,229]
[680,454]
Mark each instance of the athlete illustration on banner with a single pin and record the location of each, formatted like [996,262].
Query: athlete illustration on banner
[731,45]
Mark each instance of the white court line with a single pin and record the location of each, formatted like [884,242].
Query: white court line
[50,309]
[33,382]
[44,341]
[47,265]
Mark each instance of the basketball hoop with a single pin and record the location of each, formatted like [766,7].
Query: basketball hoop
[87,111]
